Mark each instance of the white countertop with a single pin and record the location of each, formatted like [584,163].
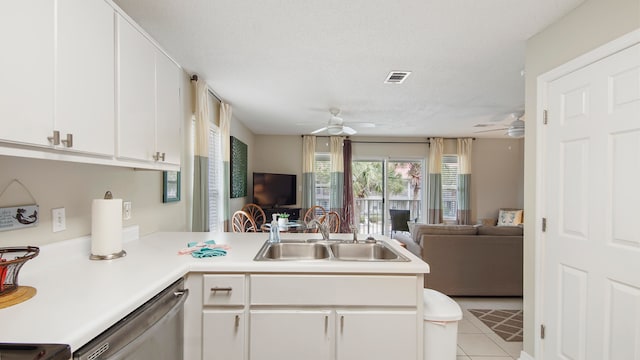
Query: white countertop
[78,298]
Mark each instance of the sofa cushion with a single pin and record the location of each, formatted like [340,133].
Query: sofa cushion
[500,230]
[439,229]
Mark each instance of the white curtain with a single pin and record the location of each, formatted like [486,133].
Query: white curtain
[464,181]
[225,133]
[200,220]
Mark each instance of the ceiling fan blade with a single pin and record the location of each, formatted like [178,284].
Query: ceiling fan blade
[347,130]
[367,125]
[486,131]
[319,130]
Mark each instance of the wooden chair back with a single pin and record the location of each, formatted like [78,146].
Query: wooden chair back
[314,212]
[333,219]
[257,214]
[241,221]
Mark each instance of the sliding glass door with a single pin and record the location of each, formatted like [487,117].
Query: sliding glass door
[381,185]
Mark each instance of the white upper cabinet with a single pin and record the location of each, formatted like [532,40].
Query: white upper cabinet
[85,76]
[58,74]
[148,100]
[136,94]
[26,70]
[79,81]
[168,135]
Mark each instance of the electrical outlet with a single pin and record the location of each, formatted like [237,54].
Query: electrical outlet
[126,210]
[58,219]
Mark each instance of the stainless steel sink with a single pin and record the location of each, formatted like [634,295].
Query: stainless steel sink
[293,250]
[378,251]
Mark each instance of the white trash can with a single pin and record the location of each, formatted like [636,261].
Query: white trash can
[441,316]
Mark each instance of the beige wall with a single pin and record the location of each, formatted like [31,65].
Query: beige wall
[242,133]
[497,179]
[594,23]
[497,164]
[281,155]
[73,186]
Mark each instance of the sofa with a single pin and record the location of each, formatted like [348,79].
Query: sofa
[471,260]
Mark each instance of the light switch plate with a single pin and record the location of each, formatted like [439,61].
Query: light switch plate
[126,210]
[58,219]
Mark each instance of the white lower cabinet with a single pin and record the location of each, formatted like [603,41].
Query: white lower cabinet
[303,316]
[291,334]
[376,335]
[223,334]
[319,334]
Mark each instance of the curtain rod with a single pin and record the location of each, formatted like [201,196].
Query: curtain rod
[195,78]
[390,142]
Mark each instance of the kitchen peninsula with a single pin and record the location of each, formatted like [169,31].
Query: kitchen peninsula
[236,307]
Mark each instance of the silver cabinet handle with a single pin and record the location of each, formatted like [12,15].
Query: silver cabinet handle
[55,139]
[326,323]
[227,289]
[237,322]
[341,324]
[158,156]
[68,142]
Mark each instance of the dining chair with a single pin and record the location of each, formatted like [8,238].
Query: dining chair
[314,212]
[241,221]
[333,220]
[257,214]
[399,220]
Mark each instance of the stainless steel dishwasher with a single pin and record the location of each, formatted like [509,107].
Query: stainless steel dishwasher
[153,331]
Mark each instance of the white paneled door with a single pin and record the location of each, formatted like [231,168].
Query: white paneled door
[591,248]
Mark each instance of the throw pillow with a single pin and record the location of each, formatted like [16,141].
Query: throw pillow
[509,217]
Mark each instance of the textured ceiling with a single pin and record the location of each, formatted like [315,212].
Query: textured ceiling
[283,64]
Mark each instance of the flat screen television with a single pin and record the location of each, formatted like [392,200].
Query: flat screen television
[273,190]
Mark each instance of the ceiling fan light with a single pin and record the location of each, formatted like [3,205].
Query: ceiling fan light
[515,132]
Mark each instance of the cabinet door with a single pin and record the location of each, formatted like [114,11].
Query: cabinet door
[376,335]
[291,335]
[136,94]
[26,69]
[223,335]
[168,123]
[85,83]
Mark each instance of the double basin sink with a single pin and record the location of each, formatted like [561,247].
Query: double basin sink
[328,250]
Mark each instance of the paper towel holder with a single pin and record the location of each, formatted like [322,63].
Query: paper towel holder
[108,196]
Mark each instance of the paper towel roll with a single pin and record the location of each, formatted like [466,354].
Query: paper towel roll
[106,226]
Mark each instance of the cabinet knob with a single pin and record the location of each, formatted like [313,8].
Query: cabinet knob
[55,139]
[68,142]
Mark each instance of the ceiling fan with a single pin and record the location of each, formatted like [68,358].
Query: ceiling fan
[515,128]
[336,125]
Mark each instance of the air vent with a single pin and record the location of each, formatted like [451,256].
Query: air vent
[396,77]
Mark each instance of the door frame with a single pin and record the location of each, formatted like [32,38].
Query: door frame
[543,81]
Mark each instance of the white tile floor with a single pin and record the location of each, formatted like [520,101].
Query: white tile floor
[476,341]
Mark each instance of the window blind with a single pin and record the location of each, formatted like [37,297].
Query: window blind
[449,172]
[215,178]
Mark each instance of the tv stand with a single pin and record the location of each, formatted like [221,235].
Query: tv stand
[294,213]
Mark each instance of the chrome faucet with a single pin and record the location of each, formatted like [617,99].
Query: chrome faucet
[323,227]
